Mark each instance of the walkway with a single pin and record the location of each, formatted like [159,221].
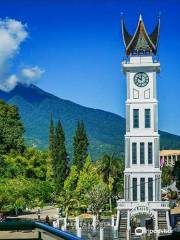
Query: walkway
[18,235]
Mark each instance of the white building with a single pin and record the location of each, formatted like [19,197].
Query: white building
[170,157]
[142,205]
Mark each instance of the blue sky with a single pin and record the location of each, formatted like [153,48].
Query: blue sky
[79,45]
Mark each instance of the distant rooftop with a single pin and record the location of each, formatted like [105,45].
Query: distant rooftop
[169,152]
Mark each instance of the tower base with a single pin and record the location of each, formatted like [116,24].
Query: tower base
[133,219]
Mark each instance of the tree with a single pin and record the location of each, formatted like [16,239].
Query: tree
[88,178]
[80,146]
[97,197]
[51,136]
[31,164]
[118,186]
[176,173]
[176,170]
[51,158]
[171,194]
[37,164]
[11,129]
[21,193]
[60,158]
[66,202]
[166,176]
[68,199]
[70,183]
[111,169]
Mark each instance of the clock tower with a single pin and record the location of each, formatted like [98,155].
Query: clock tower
[142,206]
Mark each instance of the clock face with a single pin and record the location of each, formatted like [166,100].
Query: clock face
[141,79]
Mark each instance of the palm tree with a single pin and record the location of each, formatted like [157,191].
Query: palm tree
[111,168]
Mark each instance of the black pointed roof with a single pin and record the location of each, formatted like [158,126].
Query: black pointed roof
[141,41]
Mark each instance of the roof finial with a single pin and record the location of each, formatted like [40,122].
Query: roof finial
[159,14]
[140,17]
[122,14]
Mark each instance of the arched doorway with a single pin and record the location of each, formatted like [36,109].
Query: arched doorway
[142,217]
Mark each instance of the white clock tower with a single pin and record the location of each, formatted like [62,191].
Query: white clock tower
[142,205]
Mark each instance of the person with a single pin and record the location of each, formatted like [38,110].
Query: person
[47,219]
[4,218]
[39,214]
[1,217]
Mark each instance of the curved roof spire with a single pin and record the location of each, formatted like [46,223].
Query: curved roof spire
[140,17]
[154,36]
[141,42]
[126,35]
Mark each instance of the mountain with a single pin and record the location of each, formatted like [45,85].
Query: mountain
[105,130]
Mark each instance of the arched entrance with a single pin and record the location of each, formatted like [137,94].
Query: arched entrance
[142,217]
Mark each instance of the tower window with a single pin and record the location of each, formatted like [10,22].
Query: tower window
[134,153]
[134,189]
[142,189]
[147,118]
[150,152]
[141,153]
[136,118]
[150,189]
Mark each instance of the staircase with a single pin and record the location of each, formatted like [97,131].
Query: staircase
[123,225]
[135,237]
[162,224]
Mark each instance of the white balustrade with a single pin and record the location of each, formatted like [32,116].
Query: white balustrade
[77,222]
[101,233]
[79,232]
[112,221]
[115,232]
[153,205]
[94,222]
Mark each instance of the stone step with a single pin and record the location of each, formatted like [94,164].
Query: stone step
[135,237]
[162,224]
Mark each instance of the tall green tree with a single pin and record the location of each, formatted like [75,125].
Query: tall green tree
[11,129]
[88,178]
[166,176]
[51,155]
[97,198]
[176,173]
[51,136]
[111,169]
[68,199]
[60,158]
[80,146]
[31,164]
[19,193]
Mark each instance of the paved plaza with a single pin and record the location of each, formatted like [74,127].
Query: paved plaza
[18,235]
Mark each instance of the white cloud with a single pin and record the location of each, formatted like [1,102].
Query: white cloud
[12,34]
[9,83]
[31,74]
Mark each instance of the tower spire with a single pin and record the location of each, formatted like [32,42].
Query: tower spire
[140,17]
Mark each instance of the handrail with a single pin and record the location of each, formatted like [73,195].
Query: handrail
[56,232]
[30,225]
